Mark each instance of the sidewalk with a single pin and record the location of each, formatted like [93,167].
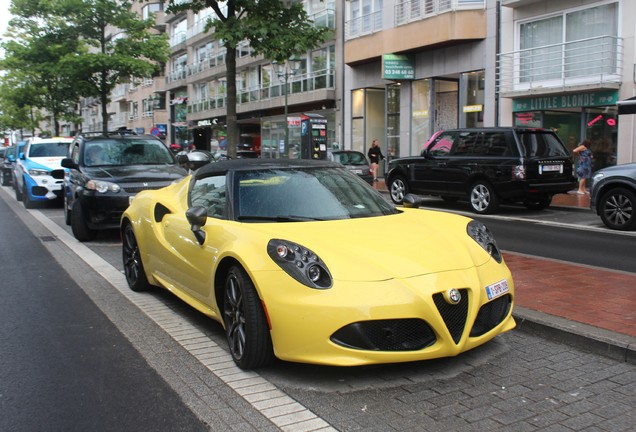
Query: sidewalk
[586,306]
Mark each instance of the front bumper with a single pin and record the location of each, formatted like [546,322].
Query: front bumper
[398,320]
[103,211]
[44,188]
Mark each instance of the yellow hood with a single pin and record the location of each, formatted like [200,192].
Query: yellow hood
[412,243]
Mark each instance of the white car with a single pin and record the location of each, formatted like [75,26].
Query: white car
[38,174]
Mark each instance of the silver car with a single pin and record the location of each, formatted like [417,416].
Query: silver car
[613,196]
[354,161]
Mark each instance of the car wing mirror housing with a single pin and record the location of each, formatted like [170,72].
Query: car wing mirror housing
[197,216]
[412,201]
[68,163]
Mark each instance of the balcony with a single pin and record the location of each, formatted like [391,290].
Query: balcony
[577,65]
[407,11]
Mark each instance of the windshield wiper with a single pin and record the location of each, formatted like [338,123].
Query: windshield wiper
[280,218]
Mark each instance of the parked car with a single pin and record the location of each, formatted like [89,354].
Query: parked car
[354,161]
[487,166]
[613,196]
[279,252]
[106,172]
[38,174]
[6,155]
[10,161]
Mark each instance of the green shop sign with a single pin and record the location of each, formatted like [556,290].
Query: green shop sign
[541,103]
[398,67]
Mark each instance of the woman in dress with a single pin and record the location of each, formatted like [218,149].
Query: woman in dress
[584,169]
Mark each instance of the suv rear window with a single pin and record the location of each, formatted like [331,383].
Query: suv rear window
[541,144]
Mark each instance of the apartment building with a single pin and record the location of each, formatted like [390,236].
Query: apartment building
[568,65]
[196,87]
[413,67]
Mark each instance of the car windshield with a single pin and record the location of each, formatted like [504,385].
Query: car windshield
[350,158]
[128,152]
[284,195]
[541,144]
[48,149]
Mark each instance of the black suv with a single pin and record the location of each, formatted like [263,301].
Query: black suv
[488,166]
[105,173]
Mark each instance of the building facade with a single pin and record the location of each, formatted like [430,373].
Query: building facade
[413,67]
[564,65]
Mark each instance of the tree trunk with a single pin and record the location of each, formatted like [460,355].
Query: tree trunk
[232,127]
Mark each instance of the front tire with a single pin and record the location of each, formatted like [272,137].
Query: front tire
[79,226]
[16,189]
[133,267]
[67,211]
[483,199]
[398,188]
[245,323]
[26,199]
[617,209]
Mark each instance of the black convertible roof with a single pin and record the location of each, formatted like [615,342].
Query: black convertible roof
[223,166]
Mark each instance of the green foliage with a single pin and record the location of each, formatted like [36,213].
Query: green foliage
[276,29]
[66,49]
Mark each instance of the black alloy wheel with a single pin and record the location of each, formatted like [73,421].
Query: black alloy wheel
[245,322]
[617,209]
[133,267]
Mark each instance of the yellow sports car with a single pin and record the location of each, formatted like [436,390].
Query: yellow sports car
[303,261]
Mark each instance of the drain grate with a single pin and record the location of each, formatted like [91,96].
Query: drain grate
[47,238]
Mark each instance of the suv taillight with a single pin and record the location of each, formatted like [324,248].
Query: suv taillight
[518,172]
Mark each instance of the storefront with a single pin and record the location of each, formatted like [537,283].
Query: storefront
[575,117]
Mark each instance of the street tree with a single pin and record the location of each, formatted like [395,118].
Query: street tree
[276,29]
[36,78]
[118,46]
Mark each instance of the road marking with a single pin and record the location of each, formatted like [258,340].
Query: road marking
[282,410]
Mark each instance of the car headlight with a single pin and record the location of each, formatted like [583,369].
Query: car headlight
[39,172]
[482,235]
[300,263]
[102,186]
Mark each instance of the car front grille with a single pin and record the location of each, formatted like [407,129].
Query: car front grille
[491,314]
[134,188]
[408,334]
[454,315]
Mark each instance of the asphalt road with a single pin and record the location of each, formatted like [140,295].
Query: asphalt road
[64,366]
[518,381]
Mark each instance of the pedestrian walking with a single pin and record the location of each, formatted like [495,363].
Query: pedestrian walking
[584,168]
[375,156]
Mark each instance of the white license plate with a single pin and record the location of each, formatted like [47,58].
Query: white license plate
[497,289]
[550,168]
[356,171]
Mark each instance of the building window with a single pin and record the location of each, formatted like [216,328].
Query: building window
[573,44]
[393,121]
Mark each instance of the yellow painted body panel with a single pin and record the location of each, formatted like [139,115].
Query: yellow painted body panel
[382,267]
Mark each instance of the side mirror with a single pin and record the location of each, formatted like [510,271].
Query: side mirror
[68,163]
[197,216]
[412,201]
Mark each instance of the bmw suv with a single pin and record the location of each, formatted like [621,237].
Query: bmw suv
[105,173]
[38,175]
[486,166]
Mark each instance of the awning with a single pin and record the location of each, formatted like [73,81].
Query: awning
[627,106]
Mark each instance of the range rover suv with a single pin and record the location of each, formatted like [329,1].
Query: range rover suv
[487,166]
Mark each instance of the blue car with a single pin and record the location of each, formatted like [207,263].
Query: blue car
[38,174]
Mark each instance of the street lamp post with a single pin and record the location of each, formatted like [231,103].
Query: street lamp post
[153,99]
[285,71]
